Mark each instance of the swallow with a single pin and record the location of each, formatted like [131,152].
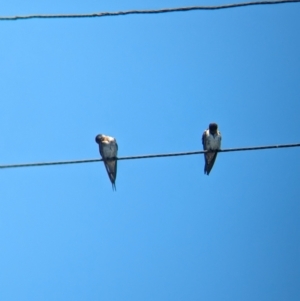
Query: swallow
[108,149]
[211,140]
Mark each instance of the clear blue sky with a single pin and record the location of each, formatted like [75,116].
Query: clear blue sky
[154,82]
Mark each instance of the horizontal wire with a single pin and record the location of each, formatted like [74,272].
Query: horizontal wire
[152,156]
[150,11]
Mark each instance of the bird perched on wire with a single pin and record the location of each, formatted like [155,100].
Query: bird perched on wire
[108,149]
[211,140]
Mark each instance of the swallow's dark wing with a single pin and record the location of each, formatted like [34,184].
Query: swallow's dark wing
[204,148]
[111,167]
[204,140]
[210,159]
[101,151]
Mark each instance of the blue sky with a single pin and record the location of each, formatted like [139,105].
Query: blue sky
[154,82]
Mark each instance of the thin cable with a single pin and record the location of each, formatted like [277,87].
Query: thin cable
[152,156]
[150,11]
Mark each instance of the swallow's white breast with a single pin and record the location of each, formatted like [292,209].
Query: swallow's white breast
[213,142]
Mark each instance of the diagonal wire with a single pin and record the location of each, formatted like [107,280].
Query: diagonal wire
[152,156]
[150,11]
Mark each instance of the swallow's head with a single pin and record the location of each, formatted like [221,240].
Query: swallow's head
[213,127]
[99,138]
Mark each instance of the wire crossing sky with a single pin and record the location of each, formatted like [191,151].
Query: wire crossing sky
[151,156]
[154,11]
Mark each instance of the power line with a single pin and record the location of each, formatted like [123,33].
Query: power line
[150,11]
[151,156]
